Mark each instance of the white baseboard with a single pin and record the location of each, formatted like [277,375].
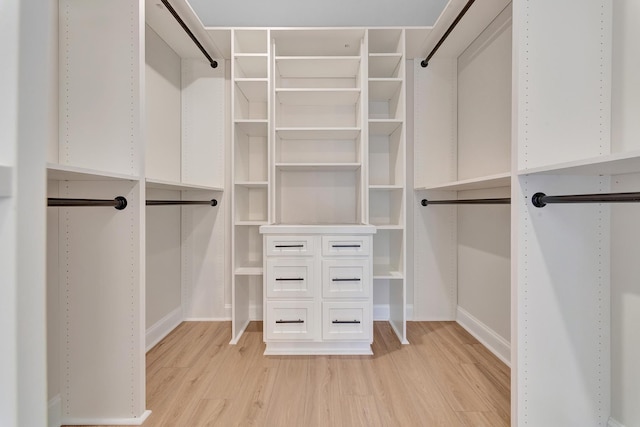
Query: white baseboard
[613,423]
[107,421]
[206,319]
[494,342]
[381,312]
[54,411]
[162,328]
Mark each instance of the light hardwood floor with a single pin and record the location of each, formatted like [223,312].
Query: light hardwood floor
[443,378]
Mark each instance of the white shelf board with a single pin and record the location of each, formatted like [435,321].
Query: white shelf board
[255,90]
[491,181]
[253,65]
[249,271]
[253,127]
[6,174]
[308,167]
[319,133]
[318,66]
[384,89]
[613,164]
[388,226]
[386,272]
[383,127]
[318,96]
[252,184]
[251,222]
[386,187]
[59,172]
[383,64]
[179,186]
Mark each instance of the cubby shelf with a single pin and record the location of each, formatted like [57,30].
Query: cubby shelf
[254,89]
[178,186]
[252,184]
[334,133]
[251,65]
[57,172]
[384,89]
[318,66]
[316,96]
[491,181]
[386,272]
[5,181]
[384,65]
[612,164]
[249,271]
[258,127]
[301,167]
[383,127]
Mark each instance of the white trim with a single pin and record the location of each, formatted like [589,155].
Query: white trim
[381,312]
[136,421]
[162,328]
[614,423]
[500,347]
[317,348]
[54,411]
[207,319]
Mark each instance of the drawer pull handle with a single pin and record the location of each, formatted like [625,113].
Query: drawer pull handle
[290,321]
[289,246]
[339,279]
[291,279]
[337,322]
[345,246]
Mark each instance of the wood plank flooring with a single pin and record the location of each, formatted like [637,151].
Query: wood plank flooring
[443,378]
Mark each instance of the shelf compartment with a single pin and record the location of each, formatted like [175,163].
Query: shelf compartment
[327,167]
[250,154]
[57,172]
[337,146]
[318,42]
[314,67]
[384,65]
[249,270]
[248,248]
[250,108]
[386,208]
[251,41]
[252,127]
[388,254]
[382,90]
[251,205]
[386,100]
[386,159]
[383,127]
[612,164]
[177,186]
[299,133]
[6,174]
[252,184]
[336,96]
[254,90]
[385,40]
[251,66]
[490,181]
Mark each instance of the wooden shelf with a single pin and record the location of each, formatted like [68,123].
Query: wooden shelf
[255,90]
[59,172]
[253,127]
[6,174]
[318,96]
[383,127]
[331,167]
[384,65]
[178,186]
[384,89]
[318,133]
[613,164]
[491,181]
[318,66]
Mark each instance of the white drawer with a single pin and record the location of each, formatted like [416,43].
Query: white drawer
[345,245]
[345,278]
[290,246]
[346,321]
[290,277]
[290,320]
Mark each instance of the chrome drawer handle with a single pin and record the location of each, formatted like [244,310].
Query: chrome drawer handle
[345,246]
[289,246]
[338,279]
[293,279]
[290,321]
[345,321]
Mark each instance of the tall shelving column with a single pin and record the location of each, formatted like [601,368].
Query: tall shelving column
[387,170]
[250,172]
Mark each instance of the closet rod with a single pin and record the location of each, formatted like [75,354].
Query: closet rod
[214,64]
[119,202]
[212,202]
[466,7]
[540,200]
[502,201]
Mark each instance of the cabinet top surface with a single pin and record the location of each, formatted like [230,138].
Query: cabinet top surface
[318,229]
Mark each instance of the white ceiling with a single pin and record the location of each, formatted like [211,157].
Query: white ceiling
[324,13]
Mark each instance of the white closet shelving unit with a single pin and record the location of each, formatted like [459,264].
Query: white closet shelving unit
[387,171]
[140,117]
[250,171]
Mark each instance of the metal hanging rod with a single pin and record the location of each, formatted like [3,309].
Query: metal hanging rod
[212,202]
[466,7]
[540,200]
[214,64]
[502,201]
[119,202]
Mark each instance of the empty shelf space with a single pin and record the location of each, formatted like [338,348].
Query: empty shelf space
[318,96]
[491,181]
[252,127]
[318,66]
[383,65]
[384,89]
[612,164]
[337,133]
[249,271]
[254,90]
[251,65]
[383,127]
[386,272]
[178,186]
[59,172]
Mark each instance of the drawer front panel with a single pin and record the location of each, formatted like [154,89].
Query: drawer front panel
[290,320]
[290,277]
[345,245]
[345,278]
[290,246]
[346,321]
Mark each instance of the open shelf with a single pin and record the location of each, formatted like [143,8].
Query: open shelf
[59,172]
[386,272]
[491,181]
[301,167]
[252,184]
[5,181]
[178,186]
[384,89]
[336,133]
[254,90]
[383,127]
[255,270]
[318,66]
[258,127]
[251,65]
[612,164]
[384,65]
[338,96]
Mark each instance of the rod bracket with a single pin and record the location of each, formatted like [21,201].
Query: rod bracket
[214,202]
[214,64]
[121,203]
[424,63]
[536,199]
[424,202]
